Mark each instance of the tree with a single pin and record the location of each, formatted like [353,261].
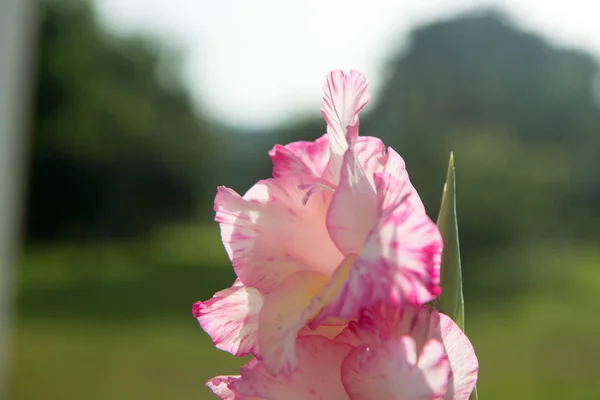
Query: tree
[518,113]
[114,151]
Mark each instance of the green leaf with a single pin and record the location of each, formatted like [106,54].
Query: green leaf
[451,300]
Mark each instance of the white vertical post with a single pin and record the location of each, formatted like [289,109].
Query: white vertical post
[17,50]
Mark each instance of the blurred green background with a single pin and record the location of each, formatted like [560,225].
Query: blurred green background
[120,241]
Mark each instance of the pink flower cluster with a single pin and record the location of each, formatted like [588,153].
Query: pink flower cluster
[336,262]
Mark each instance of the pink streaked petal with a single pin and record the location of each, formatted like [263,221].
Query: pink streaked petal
[316,377]
[373,157]
[393,193]
[310,158]
[463,360]
[393,371]
[268,231]
[434,369]
[330,292]
[353,335]
[231,319]
[345,96]
[416,322]
[219,385]
[403,249]
[384,322]
[348,228]
[289,308]
[300,158]
[353,210]
[314,187]
[400,261]
[370,153]
[286,310]
[395,166]
[328,331]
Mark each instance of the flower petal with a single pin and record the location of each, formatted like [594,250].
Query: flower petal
[374,157]
[329,331]
[393,371]
[400,261]
[353,210]
[285,312]
[384,322]
[310,158]
[370,153]
[300,158]
[219,385]
[463,360]
[290,307]
[267,232]
[231,318]
[345,96]
[317,375]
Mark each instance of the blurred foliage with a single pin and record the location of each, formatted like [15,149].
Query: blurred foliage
[114,150]
[120,157]
[160,276]
[520,115]
[122,328]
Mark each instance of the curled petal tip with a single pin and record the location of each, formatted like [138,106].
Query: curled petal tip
[197,309]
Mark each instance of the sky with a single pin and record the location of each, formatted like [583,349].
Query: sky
[257,63]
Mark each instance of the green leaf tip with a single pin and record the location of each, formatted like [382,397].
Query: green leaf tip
[451,300]
[474,395]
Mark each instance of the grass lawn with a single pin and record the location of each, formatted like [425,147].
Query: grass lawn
[56,360]
[526,353]
[126,331]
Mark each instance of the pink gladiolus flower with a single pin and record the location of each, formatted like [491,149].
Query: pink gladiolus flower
[382,324]
[414,354]
[338,229]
